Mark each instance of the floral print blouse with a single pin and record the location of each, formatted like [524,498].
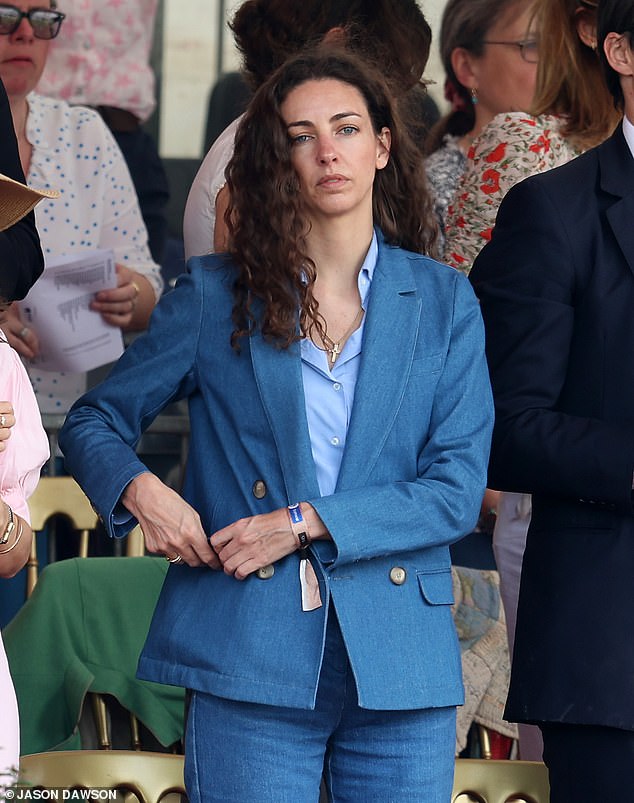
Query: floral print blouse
[444,168]
[513,146]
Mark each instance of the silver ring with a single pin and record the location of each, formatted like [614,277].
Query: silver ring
[23,332]
[3,420]
[175,559]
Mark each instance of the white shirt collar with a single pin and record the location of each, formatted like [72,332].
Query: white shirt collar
[628,133]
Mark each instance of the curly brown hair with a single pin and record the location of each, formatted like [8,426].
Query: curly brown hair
[266,218]
[394,32]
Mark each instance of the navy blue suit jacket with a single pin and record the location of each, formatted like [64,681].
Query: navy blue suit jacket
[556,286]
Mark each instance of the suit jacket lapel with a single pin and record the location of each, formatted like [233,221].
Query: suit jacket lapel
[278,375]
[617,178]
[389,337]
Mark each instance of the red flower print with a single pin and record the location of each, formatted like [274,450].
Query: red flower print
[542,144]
[498,154]
[486,234]
[456,259]
[490,181]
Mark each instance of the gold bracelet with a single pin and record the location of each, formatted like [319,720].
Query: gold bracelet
[10,526]
[16,542]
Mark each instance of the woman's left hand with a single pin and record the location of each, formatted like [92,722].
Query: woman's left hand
[251,543]
[7,420]
[118,305]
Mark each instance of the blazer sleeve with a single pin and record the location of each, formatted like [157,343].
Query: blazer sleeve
[527,279]
[101,430]
[442,503]
[20,253]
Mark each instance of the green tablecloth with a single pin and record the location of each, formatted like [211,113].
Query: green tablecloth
[82,630]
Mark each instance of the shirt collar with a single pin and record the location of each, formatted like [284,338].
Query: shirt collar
[366,273]
[628,133]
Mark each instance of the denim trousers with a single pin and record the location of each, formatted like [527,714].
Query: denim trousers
[238,752]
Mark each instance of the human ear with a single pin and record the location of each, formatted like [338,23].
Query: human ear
[619,54]
[586,23]
[384,143]
[465,68]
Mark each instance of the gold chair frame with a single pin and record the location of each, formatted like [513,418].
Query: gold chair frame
[150,776]
[62,496]
[58,496]
[500,781]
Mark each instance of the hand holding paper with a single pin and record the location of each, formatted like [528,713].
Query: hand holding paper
[72,336]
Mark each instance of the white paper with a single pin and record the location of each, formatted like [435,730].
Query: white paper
[72,337]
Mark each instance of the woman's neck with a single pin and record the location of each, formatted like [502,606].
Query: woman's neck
[481,122]
[338,255]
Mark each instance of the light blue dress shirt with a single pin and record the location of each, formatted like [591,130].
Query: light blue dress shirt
[329,393]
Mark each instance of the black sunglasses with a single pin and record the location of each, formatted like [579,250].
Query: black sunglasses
[45,22]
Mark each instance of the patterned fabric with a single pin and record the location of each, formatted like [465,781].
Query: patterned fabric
[444,168]
[513,146]
[75,153]
[486,666]
[101,56]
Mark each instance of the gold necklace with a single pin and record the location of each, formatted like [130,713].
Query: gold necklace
[332,347]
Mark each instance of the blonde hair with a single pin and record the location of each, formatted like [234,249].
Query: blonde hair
[570,81]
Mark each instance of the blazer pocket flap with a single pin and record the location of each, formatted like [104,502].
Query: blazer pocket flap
[429,364]
[436,587]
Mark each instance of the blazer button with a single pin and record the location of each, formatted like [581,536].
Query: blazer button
[398,575]
[259,489]
[266,572]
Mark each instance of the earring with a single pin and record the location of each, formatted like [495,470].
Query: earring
[474,96]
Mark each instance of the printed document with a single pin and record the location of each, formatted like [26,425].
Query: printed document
[72,337]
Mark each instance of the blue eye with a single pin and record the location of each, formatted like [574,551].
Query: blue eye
[349,129]
[300,138]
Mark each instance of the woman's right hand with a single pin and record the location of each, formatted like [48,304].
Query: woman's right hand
[171,526]
[22,338]
[7,419]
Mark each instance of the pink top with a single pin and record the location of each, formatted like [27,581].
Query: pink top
[27,448]
[102,55]
[20,463]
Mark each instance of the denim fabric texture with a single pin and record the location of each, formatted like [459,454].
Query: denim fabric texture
[277,755]
[410,483]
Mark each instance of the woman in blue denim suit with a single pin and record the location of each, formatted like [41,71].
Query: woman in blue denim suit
[340,423]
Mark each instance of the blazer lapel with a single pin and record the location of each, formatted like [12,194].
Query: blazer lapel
[617,178]
[389,338]
[278,375]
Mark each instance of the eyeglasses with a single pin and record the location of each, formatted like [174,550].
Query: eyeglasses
[45,22]
[529,48]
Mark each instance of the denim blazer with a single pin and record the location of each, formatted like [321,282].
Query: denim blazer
[411,483]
